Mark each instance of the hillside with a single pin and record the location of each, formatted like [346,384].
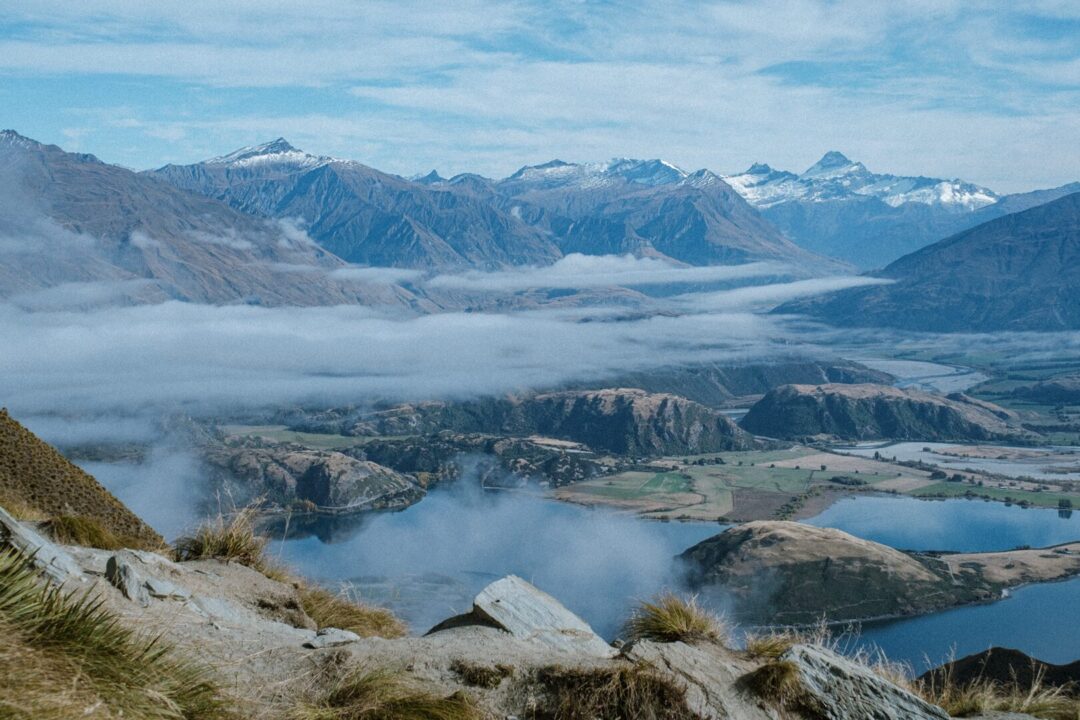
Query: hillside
[79,232]
[1018,272]
[872,412]
[38,480]
[788,573]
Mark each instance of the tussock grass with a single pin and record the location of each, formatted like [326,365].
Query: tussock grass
[80,530]
[236,539]
[224,538]
[630,692]
[778,683]
[485,676]
[380,694]
[342,610]
[671,618]
[64,656]
[770,645]
[984,695]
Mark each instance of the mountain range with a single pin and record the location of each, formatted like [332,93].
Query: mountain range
[647,208]
[839,208]
[75,230]
[1017,272]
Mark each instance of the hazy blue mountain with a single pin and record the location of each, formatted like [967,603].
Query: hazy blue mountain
[94,232]
[1017,272]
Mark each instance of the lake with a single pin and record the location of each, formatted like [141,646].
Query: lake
[427,562]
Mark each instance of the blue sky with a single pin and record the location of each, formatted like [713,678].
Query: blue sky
[985,91]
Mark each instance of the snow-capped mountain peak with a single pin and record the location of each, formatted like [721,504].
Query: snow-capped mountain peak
[835,177]
[835,164]
[277,152]
[558,173]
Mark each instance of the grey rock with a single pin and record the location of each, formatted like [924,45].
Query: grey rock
[166,590]
[49,557]
[331,637]
[121,570]
[844,690]
[528,613]
[708,672]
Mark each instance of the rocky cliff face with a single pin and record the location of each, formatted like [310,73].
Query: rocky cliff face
[321,481]
[870,412]
[625,421]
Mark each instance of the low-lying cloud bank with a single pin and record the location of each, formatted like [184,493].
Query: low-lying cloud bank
[577,271]
[199,357]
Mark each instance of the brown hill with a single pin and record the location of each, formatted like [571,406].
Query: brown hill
[35,477]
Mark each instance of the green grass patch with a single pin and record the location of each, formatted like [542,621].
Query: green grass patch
[1041,499]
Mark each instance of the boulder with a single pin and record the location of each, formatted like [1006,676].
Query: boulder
[122,571]
[844,690]
[526,612]
[49,557]
[331,637]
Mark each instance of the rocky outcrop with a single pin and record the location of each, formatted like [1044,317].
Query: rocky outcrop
[872,412]
[626,421]
[322,481]
[844,690]
[784,573]
[519,608]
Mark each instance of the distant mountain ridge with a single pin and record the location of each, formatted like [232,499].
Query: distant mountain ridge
[79,227]
[648,208]
[835,176]
[1017,272]
[841,209]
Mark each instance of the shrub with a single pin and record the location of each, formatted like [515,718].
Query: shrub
[671,618]
[339,610]
[65,656]
[630,692]
[366,694]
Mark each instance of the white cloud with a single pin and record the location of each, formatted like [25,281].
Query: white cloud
[766,296]
[375,275]
[578,271]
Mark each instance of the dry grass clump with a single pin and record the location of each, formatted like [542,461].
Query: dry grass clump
[984,695]
[380,694]
[340,610]
[778,683]
[671,618]
[232,539]
[88,532]
[65,656]
[630,692]
[485,676]
[770,645]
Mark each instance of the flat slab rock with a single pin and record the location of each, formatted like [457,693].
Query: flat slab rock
[530,614]
[844,690]
[49,557]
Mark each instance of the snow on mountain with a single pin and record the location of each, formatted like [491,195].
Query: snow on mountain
[835,177]
[276,152]
[557,173]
